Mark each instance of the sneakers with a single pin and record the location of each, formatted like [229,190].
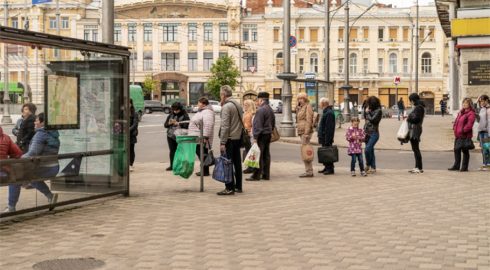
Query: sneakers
[352,173]
[225,192]
[370,171]
[484,168]
[131,168]
[52,201]
[363,173]
[9,209]
[306,175]
[415,171]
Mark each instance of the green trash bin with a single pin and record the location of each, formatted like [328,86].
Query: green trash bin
[185,156]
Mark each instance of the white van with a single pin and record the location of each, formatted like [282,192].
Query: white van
[275,104]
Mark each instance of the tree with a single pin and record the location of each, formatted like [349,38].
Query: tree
[149,85]
[224,72]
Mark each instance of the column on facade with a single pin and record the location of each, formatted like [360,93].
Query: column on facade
[184,46]
[200,46]
[139,46]
[157,62]
[74,33]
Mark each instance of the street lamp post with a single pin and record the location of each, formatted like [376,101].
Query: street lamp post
[417,48]
[346,86]
[6,119]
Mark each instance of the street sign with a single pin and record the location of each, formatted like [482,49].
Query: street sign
[292,41]
[37,2]
[310,75]
[396,81]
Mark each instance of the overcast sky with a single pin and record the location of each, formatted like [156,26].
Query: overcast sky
[405,3]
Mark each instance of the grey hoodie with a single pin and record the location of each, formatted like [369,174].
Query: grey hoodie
[484,124]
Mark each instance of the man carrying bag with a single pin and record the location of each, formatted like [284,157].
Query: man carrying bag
[326,132]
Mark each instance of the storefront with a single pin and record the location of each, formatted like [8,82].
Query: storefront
[86,112]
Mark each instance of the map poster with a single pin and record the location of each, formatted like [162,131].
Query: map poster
[61,100]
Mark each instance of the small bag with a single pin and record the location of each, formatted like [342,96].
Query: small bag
[223,170]
[275,135]
[307,153]
[209,159]
[252,160]
[464,144]
[328,154]
[403,132]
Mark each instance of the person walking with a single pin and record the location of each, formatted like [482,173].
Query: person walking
[401,109]
[415,120]
[26,129]
[133,134]
[443,104]
[304,127]
[44,143]
[484,130]
[263,124]
[203,119]
[178,119]
[230,134]
[372,117]
[248,115]
[355,136]
[326,132]
[463,131]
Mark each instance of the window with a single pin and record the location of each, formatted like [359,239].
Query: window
[341,34]
[192,28]
[405,33]
[341,65]
[426,63]
[90,32]
[250,32]
[133,59]
[421,33]
[95,35]
[279,63]
[147,29]
[301,65]
[192,57]
[405,65]
[250,60]
[65,23]
[208,32]
[131,32]
[147,60]
[52,23]
[301,34]
[353,63]
[117,32]
[170,62]
[223,54]
[365,65]
[314,63]
[15,22]
[365,33]
[276,34]
[393,63]
[393,33]
[313,34]
[381,31]
[432,31]
[86,34]
[380,65]
[353,34]
[170,32]
[223,32]
[208,61]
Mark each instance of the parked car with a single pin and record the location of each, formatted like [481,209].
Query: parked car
[216,106]
[156,106]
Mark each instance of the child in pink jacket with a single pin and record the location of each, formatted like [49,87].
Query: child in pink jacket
[355,136]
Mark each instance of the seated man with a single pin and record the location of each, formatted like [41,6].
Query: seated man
[44,143]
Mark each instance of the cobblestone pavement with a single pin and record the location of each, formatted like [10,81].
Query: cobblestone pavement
[391,220]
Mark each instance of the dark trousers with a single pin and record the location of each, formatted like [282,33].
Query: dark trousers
[329,167]
[132,154]
[457,159]
[443,111]
[353,162]
[172,146]
[416,152]
[233,153]
[198,152]
[264,143]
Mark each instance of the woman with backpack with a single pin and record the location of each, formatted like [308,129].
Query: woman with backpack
[415,120]
[463,134]
[177,119]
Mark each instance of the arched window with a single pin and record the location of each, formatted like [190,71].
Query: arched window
[426,63]
[353,63]
[393,63]
[279,63]
[314,62]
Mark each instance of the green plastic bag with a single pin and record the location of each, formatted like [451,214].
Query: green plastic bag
[184,156]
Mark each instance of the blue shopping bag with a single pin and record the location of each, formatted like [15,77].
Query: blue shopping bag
[223,170]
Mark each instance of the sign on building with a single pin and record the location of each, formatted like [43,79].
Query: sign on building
[479,72]
[37,2]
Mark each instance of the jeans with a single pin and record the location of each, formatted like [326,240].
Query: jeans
[205,151]
[485,152]
[416,152]
[172,146]
[14,189]
[132,154]
[233,153]
[400,113]
[353,162]
[369,151]
[457,159]
[264,142]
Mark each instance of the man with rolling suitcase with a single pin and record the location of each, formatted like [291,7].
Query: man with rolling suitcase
[326,132]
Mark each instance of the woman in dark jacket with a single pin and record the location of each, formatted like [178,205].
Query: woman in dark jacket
[133,134]
[463,130]
[26,130]
[372,117]
[415,120]
[177,119]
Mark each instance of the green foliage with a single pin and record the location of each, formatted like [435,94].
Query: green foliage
[149,85]
[224,72]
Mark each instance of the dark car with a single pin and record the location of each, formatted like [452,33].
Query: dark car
[156,106]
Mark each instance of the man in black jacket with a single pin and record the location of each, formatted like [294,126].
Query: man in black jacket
[326,131]
[26,130]
[263,124]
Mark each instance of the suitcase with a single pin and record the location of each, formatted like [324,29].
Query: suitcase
[328,154]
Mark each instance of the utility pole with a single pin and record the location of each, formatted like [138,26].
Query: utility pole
[327,40]
[6,119]
[26,54]
[108,21]
[346,86]
[57,50]
[416,90]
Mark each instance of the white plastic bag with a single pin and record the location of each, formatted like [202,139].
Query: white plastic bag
[252,160]
[403,131]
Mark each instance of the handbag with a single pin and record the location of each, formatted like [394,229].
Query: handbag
[403,132]
[252,160]
[307,153]
[275,135]
[464,144]
[328,154]
[223,170]
[209,159]
[245,141]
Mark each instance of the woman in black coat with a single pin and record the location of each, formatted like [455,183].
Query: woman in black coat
[177,119]
[26,130]
[415,120]
[133,134]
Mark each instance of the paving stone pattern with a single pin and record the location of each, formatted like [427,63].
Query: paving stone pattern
[438,220]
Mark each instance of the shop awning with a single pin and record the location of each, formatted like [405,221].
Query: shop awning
[13,87]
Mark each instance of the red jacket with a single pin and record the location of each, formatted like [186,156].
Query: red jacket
[8,149]
[463,125]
